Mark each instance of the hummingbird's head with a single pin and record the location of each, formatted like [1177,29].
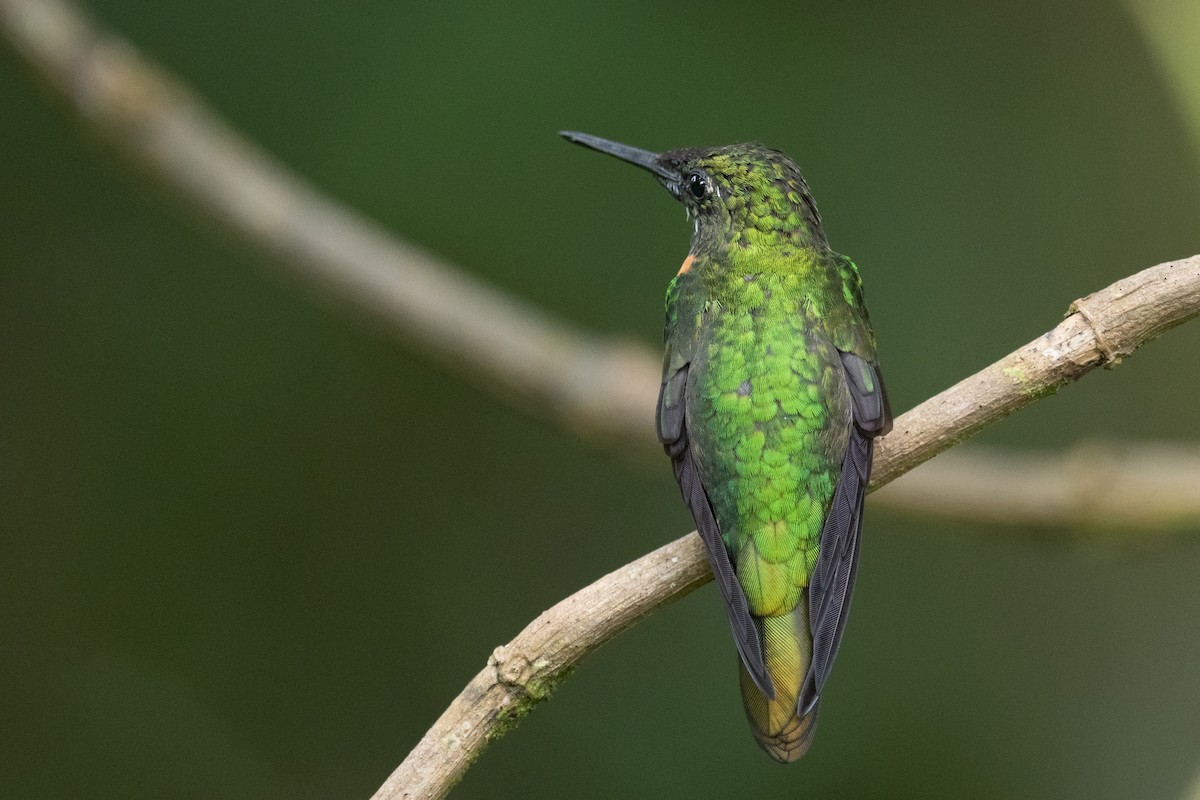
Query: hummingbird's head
[744,194]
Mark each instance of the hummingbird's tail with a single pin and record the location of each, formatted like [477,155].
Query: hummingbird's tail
[787,650]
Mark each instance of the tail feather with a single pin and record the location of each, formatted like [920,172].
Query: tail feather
[777,724]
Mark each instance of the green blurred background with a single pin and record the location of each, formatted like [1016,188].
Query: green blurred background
[250,547]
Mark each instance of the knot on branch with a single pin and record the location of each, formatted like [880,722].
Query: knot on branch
[534,680]
[512,669]
[1109,355]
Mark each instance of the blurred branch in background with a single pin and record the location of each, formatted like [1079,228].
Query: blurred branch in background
[588,384]
[1128,489]
[1193,792]
[1169,27]
[517,351]
[607,387]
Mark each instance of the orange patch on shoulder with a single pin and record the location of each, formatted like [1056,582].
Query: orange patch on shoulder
[687,265]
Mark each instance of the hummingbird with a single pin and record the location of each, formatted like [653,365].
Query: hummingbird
[770,404]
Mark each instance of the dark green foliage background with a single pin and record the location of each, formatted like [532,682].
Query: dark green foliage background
[249,547]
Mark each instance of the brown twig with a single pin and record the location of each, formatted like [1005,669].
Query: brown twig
[525,671]
[1100,330]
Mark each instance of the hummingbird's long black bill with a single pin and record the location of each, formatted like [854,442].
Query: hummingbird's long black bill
[634,155]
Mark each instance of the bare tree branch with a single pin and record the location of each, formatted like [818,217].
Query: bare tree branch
[524,672]
[585,382]
[1101,329]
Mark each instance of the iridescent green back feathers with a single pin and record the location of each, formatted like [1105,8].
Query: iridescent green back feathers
[770,401]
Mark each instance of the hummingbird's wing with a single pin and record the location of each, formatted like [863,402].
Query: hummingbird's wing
[832,582]
[672,432]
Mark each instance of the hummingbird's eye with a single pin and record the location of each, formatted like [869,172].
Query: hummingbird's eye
[697,185]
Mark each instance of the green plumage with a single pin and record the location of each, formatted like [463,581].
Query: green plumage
[771,399]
